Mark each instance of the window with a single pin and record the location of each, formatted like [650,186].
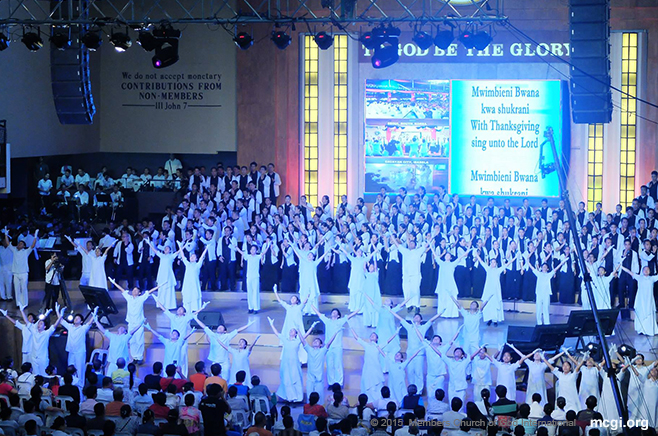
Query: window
[340,117]
[311,101]
[594,165]
[629,59]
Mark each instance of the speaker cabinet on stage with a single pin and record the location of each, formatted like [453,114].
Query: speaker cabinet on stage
[591,98]
[57,351]
[69,69]
[308,322]
[211,318]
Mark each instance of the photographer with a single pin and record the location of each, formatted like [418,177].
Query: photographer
[53,281]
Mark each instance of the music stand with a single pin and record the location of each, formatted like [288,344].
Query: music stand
[581,323]
[99,297]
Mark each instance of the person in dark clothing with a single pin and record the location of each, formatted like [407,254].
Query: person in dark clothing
[289,427]
[74,419]
[173,426]
[504,409]
[153,380]
[213,408]
[569,428]
[148,424]
[98,421]
[69,390]
[412,399]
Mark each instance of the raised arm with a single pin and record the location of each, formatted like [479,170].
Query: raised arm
[151,291]
[395,314]
[117,285]
[310,329]
[36,238]
[529,355]
[557,268]
[244,327]
[192,330]
[397,332]
[454,338]
[4,313]
[100,326]
[516,350]
[251,347]
[156,334]
[109,247]
[434,318]
[271,321]
[548,363]
[459,306]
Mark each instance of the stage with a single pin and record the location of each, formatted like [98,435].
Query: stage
[266,354]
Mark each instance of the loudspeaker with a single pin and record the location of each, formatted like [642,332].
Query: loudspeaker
[591,99]
[57,351]
[211,318]
[99,297]
[308,322]
[69,69]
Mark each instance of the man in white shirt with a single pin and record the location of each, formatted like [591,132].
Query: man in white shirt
[53,285]
[6,262]
[67,179]
[82,201]
[20,268]
[82,178]
[45,187]
[452,418]
[173,164]
[275,183]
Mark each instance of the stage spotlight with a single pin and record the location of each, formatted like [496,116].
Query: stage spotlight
[70,317]
[167,54]
[281,39]
[481,40]
[60,38]
[32,40]
[41,316]
[4,42]
[323,40]
[594,350]
[443,39]
[627,351]
[466,38]
[147,40]
[423,40]
[243,40]
[121,41]
[92,40]
[368,40]
[386,53]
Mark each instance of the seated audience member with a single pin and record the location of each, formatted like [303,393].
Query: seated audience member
[59,427]
[143,400]
[412,399]
[148,423]
[106,393]
[120,373]
[173,400]
[484,405]
[25,381]
[98,421]
[109,428]
[289,427]
[170,372]
[173,425]
[465,428]
[596,427]
[152,380]
[235,402]
[127,422]
[6,388]
[337,410]
[215,378]
[536,410]
[113,408]
[159,406]
[519,430]
[258,389]
[320,427]
[330,396]
[199,378]
[41,405]
[585,416]
[364,410]
[529,425]
[381,403]
[503,409]
[570,427]
[7,422]
[436,406]
[87,406]
[409,427]
[190,415]
[476,418]
[313,408]
[240,377]
[74,419]
[68,389]
[260,421]
[452,417]
[559,414]
[213,408]
[546,421]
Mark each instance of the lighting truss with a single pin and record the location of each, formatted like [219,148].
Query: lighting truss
[338,13]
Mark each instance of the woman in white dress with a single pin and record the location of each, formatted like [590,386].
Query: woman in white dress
[589,380]
[536,376]
[607,405]
[76,341]
[333,327]
[97,276]
[481,363]
[507,371]
[371,293]
[173,345]
[397,367]
[294,317]
[26,329]
[191,289]
[635,395]
[372,375]
[166,278]
[86,259]
[309,290]
[357,278]
[567,379]
[217,353]
[252,278]
[492,292]
[650,395]
[645,305]
[240,357]
[446,286]
[180,322]
[385,327]
[135,318]
[291,387]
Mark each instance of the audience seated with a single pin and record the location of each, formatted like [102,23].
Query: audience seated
[216,370]
[173,426]
[98,421]
[127,422]
[113,408]
[453,417]
[199,378]
[313,408]
[436,406]
[190,415]
[159,406]
[148,423]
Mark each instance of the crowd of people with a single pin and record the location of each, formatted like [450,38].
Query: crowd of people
[227,228]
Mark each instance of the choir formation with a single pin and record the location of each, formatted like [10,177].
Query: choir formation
[404,245]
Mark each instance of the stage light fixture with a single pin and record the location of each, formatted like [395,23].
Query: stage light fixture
[386,53]
[443,39]
[466,38]
[281,39]
[32,40]
[423,40]
[60,38]
[626,350]
[367,40]
[121,41]
[70,317]
[41,316]
[147,41]
[92,39]
[243,40]
[4,42]
[594,350]
[323,40]
[167,54]
[481,40]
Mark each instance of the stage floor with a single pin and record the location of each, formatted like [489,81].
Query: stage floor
[266,354]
